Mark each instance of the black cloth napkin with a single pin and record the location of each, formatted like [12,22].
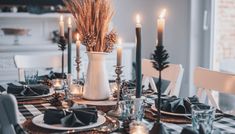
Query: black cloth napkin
[30,90]
[51,75]
[2,89]
[158,128]
[178,105]
[164,84]
[202,130]
[74,118]
[188,130]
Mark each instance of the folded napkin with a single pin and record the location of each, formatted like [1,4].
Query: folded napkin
[158,128]
[2,88]
[31,90]
[164,84]
[51,75]
[74,118]
[188,130]
[202,130]
[178,105]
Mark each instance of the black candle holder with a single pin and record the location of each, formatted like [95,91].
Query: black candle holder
[160,62]
[62,46]
[117,112]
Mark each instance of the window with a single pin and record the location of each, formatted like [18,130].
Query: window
[224,44]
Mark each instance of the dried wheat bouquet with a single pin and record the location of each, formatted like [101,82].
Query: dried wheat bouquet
[92,18]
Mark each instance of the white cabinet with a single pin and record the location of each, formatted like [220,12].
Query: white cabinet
[39,42]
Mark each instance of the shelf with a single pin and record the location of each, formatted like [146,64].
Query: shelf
[29,15]
[46,46]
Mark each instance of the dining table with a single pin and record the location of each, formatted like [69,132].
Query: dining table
[29,108]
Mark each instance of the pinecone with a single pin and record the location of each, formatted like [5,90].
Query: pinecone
[55,101]
[126,125]
[89,40]
[62,43]
[109,40]
[160,57]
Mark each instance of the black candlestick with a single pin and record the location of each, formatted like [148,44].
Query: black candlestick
[69,51]
[62,47]
[138,63]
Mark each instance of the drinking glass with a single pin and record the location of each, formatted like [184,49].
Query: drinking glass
[58,83]
[133,109]
[76,91]
[203,115]
[137,127]
[31,76]
[128,94]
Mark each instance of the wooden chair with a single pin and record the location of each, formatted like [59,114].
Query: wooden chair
[8,116]
[207,81]
[37,61]
[174,74]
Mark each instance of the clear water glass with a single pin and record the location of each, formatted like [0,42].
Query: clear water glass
[31,76]
[128,94]
[58,84]
[137,127]
[76,91]
[203,115]
[133,109]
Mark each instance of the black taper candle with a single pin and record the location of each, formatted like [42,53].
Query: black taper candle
[160,38]
[69,50]
[138,63]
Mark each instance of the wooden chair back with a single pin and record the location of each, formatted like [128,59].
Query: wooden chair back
[208,80]
[37,61]
[174,74]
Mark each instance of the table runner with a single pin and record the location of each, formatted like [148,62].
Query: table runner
[226,124]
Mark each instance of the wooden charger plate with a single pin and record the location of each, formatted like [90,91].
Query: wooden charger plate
[149,114]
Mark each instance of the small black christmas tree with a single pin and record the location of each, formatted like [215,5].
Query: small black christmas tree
[62,46]
[160,57]
[160,62]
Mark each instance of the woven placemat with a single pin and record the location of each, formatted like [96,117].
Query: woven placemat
[149,114]
[109,102]
[167,118]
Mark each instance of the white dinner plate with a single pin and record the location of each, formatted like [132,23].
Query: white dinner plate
[169,113]
[38,121]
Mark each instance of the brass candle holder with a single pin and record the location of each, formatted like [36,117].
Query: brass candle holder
[78,61]
[117,112]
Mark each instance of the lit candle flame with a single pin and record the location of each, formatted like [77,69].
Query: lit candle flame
[69,21]
[138,19]
[77,37]
[119,41]
[163,14]
[61,18]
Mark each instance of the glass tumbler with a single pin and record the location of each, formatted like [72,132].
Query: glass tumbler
[203,115]
[31,76]
[134,109]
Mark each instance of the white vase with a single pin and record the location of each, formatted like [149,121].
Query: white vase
[96,84]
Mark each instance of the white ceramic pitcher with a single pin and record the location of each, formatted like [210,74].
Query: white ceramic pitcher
[96,84]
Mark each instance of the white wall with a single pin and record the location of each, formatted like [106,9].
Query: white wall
[177,28]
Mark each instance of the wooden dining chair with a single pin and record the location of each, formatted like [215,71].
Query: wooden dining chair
[38,62]
[8,115]
[174,74]
[207,81]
